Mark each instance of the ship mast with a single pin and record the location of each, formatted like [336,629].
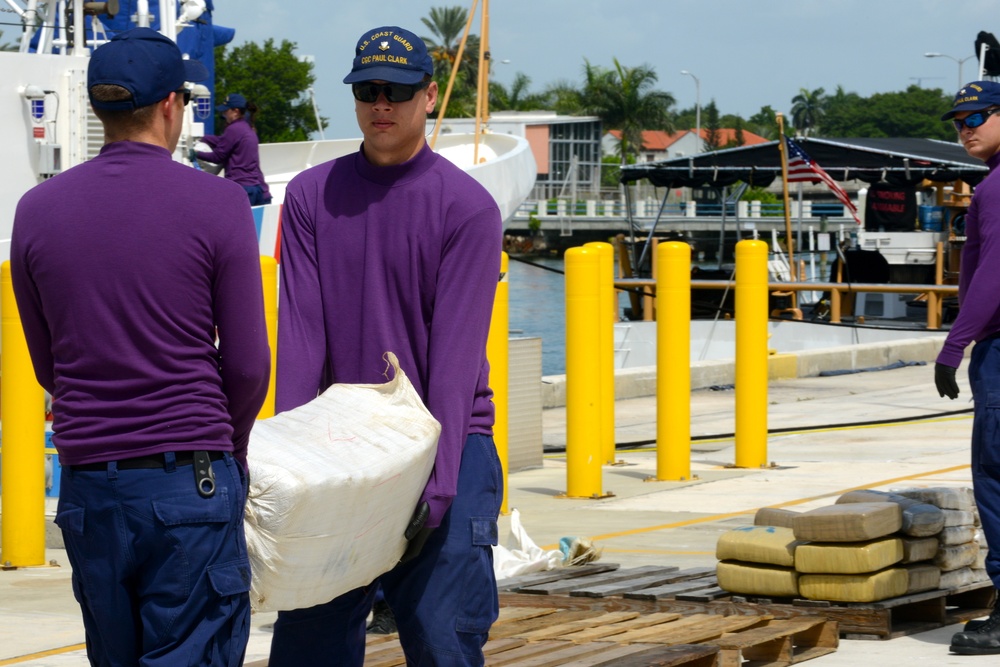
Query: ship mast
[482,87]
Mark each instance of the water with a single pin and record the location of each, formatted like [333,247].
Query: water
[537,304]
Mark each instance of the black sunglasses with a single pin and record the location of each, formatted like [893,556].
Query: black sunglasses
[368,92]
[186,93]
[974,120]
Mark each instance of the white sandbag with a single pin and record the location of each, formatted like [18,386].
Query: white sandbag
[333,484]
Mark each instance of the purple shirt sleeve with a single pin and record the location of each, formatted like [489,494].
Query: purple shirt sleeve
[302,342]
[467,280]
[979,276]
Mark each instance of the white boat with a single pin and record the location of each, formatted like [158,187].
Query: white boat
[505,167]
[47,125]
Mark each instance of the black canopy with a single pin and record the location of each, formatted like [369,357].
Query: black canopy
[872,160]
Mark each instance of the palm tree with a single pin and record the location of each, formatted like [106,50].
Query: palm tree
[8,46]
[622,98]
[447,25]
[517,97]
[807,109]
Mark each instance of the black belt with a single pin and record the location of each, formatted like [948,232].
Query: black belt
[151,462]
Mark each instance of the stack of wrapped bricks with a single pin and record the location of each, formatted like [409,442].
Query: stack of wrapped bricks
[869,546]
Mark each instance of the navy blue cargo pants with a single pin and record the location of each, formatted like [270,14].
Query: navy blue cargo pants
[444,600]
[984,376]
[162,574]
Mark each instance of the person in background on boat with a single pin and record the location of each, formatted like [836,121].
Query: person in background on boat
[974,115]
[121,296]
[237,148]
[395,248]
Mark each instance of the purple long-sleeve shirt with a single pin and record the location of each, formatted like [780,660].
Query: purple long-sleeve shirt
[238,150]
[123,269]
[979,279]
[403,259]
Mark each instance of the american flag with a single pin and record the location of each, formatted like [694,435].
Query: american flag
[802,169]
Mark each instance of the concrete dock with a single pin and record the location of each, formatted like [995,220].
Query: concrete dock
[881,430]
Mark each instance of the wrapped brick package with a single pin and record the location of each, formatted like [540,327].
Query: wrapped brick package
[774,516]
[771,545]
[920,519]
[848,522]
[755,579]
[333,484]
[872,587]
[848,557]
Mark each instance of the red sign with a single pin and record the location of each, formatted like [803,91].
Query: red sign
[39,132]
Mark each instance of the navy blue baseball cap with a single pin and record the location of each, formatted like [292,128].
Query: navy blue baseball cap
[143,62]
[390,54]
[975,96]
[233,101]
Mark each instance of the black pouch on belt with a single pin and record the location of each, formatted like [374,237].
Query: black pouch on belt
[204,476]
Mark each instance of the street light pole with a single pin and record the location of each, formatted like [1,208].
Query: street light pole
[961,81]
[697,106]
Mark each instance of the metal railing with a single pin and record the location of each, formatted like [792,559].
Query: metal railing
[934,293]
[643,208]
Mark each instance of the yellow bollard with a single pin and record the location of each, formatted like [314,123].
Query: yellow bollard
[673,362]
[269,276]
[751,354]
[583,443]
[606,317]
[22,474]
[498,354]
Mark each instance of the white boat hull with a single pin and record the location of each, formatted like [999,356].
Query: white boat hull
[505,167]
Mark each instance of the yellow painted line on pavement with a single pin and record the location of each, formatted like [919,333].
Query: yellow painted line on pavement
[42,654]
[730,515]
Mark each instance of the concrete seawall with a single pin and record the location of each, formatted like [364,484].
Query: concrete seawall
[641,381]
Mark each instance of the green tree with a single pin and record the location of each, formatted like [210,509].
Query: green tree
[914,112]
[447,25]
[9,46]
[738,138]
[611,171]
[564,98]
[764,123]
[712,125]
[276,80]
[622,98]
[516,97]
[807,110]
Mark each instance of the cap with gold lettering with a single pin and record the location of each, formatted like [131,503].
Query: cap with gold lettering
[975,96]
[390,54]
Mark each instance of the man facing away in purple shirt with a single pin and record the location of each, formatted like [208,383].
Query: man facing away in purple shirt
[973,114]
[393,248]
[138,283]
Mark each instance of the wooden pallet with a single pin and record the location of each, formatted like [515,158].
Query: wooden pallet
[696,591]
[554,637]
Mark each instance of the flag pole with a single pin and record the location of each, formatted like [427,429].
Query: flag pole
[789,241]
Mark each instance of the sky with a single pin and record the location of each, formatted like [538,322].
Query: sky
[745,54]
